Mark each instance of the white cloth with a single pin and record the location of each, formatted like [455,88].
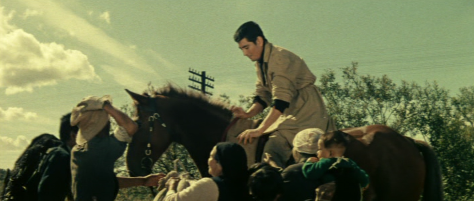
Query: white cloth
[204,189]
[90,117]
[306,141]
[122,135]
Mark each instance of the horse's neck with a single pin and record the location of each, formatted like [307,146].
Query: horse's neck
[206,130]
[199,135]
[201,122]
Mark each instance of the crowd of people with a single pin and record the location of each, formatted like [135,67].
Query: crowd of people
[321,168]
[83,167]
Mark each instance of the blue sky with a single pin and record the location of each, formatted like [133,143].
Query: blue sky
[53,53]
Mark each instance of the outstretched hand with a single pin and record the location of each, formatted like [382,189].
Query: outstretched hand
[152,179]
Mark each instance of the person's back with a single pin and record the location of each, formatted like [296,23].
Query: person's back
[92,167]
[295,186]
[55,178]
[55,182]
[94,155]
[347,184]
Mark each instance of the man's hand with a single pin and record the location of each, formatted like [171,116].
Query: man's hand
[312,159]
[248,135]
[94,103]
[239,112]
[172,183]
[152,180]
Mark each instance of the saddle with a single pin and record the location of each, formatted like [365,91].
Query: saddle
[254,150]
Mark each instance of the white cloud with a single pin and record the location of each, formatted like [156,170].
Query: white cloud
[26,63]
[5,18]
[31,13]
[16,113]
[61,18]
[10,144]
[105,16]
[126,76]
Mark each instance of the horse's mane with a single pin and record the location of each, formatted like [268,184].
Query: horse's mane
[195,97]
[28,161]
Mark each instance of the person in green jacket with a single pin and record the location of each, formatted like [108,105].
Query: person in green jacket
[331,165]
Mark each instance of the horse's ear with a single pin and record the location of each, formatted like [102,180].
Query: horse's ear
[137,97]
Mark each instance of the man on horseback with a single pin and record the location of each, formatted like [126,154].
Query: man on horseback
[285,83]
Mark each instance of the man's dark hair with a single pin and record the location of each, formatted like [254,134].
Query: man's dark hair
[265,184]
[249,30]
[65,128]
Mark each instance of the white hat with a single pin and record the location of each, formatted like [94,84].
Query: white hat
[306,141]
[90,122]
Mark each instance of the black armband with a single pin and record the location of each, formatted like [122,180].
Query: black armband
[259,100]
[280,105]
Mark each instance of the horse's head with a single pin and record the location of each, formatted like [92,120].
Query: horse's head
[347,142]
[191,118]
[142,153]
[336,141]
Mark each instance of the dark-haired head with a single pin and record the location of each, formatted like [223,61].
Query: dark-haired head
[265,184]
[249,30]
[232,158]
[228,161]
[65,128]
[257,166]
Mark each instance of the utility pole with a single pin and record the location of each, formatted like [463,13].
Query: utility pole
[202,80]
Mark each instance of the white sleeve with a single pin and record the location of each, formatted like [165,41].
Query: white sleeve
[203,190]
[121,134]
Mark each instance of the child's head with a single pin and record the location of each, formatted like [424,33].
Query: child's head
[332,144]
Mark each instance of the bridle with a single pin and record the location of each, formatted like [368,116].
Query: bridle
[147,162]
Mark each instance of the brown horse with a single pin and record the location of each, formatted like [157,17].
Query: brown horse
[395,166]
[399,167]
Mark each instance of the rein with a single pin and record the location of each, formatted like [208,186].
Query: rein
[224,135]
